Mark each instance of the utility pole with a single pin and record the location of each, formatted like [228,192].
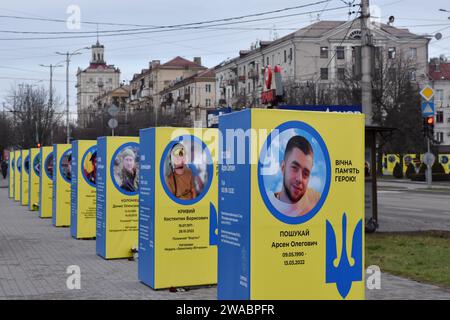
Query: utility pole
[50,95]
[366,62]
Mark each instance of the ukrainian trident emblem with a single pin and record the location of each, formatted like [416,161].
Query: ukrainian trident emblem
[344,274]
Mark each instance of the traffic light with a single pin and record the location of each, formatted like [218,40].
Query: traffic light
[428,127]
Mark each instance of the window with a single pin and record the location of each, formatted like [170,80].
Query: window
[285,56]
[413,53]
[268,62]
[249,87]
[341,73]
[391,53]
[439,117]
[439,94]
[290,54]
[208,102]
[440,136]
[324,73]
[208,88]
[412,75]
[324,52]
[340,52]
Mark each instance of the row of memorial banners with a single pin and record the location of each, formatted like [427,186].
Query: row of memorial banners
[268,206]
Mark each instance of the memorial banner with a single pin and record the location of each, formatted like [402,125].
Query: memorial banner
[17,175]
[62,176]
[117,196]
[83,189]
[12,170]
[34,177]
[24,176]
[46,183]
[177,207]
[291,205]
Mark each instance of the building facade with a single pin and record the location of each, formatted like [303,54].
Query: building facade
[190,98]
[93,82]
[440,77]
[147,85]
[316,56]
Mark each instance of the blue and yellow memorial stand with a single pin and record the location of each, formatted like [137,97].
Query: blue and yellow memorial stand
[33,182]
[177,207]
[444,159]
[291,205]
[12,170]
[117,196]
[24,176]
[61,184]
[83,193]
[46,183]
[17,175]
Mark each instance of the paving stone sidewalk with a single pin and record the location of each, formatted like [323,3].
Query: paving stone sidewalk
[34,257]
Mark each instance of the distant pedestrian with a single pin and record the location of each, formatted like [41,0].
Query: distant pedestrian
[4,169]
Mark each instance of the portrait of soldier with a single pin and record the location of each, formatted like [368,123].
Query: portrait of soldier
[295,197]
[180,179]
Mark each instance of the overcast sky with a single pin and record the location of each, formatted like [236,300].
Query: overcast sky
[20,59]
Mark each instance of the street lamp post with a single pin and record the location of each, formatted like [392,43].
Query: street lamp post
[68,56]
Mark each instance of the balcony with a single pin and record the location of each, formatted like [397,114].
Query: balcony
[242,78]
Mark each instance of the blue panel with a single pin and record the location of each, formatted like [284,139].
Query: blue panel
[146,261]
[40,182]
[325,108]
[100,241]
[55,186]
[234,172]
[74,191]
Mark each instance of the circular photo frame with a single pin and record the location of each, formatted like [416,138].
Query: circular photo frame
[444,159]
[37,164]
[186,169]
[26,164]
[13,163]
[124,168]
[19,164]
[89,163]
[294,172]
[48,165]
[65,166]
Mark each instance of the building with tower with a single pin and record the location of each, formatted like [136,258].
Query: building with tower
[93,82]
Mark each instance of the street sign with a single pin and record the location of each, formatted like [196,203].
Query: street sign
[427,93]
[113,110]
[113,123]
[427,109]
[428,159]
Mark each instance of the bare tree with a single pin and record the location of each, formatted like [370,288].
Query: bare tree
[32,119]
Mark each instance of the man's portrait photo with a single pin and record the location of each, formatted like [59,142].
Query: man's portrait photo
[293,173]
[90,166]
[125,168]
[186,169]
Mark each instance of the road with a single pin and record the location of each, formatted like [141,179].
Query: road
[413,210]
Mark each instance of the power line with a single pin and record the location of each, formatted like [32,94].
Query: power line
[172,29]
[176,25]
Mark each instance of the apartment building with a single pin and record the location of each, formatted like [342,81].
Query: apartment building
[147,85]
[190,97]
[320,54]
[440,77]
